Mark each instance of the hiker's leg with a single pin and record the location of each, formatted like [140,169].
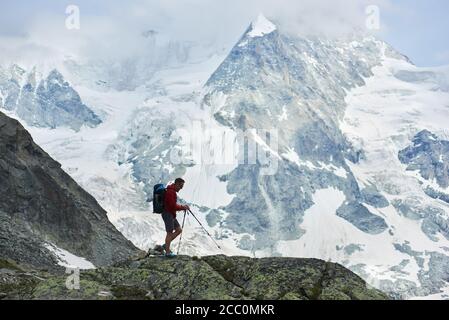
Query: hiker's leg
[177,227]
[170,237]
[177,232]
[169,222]
[168,240]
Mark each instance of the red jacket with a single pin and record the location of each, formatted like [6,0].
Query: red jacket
[170,199]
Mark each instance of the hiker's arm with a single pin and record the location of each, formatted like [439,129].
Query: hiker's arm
[180,207]
[170,203]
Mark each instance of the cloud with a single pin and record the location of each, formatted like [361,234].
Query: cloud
[112,29]
[328,18]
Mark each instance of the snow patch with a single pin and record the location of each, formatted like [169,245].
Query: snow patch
[261,27]
[67,259]
[292,156]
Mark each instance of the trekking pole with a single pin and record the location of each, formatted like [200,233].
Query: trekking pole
[180,237]
[204,229]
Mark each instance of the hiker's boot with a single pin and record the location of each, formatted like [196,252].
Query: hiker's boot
[170,255]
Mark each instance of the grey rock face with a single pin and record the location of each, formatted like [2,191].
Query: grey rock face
[434,220]
[437,275]
[41,202]
[431,278]
[372,197]
[265,77]
[362,218]
[253,214]
[399,289]
[434,223]
[405,248]
[213,217]
[430,156]
[409,208]
[350,248]
[431,192]
[303,63]
[47,102]
[20,244]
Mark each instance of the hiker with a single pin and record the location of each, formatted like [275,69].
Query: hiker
[172,225]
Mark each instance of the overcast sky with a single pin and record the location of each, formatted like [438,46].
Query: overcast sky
[416,28]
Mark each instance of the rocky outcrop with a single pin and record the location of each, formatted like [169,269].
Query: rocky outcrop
[362,218]
[438,195]
[372,197]
[430,156]
[211,277]
[41,204]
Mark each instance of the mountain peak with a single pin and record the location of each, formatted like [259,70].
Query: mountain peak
[261,26]
[56,77]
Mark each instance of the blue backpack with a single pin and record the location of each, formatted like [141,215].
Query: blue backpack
[158,198]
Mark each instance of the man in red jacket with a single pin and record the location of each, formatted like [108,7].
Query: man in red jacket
[172,225]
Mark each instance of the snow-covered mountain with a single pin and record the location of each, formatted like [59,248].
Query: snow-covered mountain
[157,51]
[361,156]
[43,100]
